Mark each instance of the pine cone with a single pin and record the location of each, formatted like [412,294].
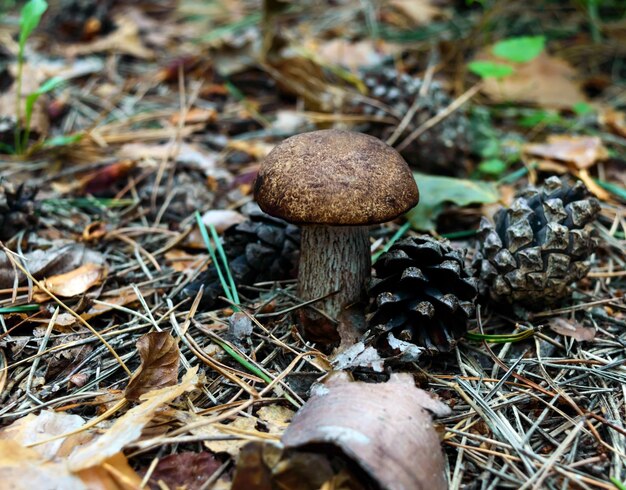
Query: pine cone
[538,246]
[422,293]
[17,209]
[262,248]
[438,150]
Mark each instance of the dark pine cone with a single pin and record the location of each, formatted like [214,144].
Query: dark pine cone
[262,248]
[422,293]
[538,246]
[17,209]
[438,150]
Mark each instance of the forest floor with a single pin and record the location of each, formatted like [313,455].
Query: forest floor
[130,130]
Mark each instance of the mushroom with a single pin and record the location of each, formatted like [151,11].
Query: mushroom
[335,184]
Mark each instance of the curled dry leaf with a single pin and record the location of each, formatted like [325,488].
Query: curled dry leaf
[546,81]
[47,424]
[160,358]
[72,283]
[580,151]
[222,218]
[366,420]
[27,470]
[125,40]
[128,428]
[614,121]
[43,466]
[184,470]
[46,263]
[570,328]
[358,356]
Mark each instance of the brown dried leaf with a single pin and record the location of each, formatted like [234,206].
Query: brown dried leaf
[49,262]
[160,359]
[573,329]
[352,54]
[194,115]
[34,428]
[580,151]
[222,218]
[420,12]
[72,283]
[366,420]
[276,417]
[125,40]
[128,428]
[244,427]
[114,474]
[184,470]
[25,469]
[614,120]
[545,81]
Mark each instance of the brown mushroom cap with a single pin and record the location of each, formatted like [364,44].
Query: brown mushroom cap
[335,177]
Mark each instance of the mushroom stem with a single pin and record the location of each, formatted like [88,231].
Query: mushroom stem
[332,259]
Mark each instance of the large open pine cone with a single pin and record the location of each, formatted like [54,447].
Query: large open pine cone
[262,248]
[538,246]
[438,150]
[17,209]
[422,293]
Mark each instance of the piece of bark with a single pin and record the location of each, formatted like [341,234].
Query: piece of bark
[386,429]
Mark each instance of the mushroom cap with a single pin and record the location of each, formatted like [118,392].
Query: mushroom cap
[335,177]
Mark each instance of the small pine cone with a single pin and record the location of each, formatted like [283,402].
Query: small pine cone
[17,209]
[538,246]
[438,150]
[422,293]
[262,248]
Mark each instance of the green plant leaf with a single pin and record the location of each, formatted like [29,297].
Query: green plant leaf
[30,102]
[64,140]
[435,191]
[582,108]
[519,49]
[493,166]
[489,69]
[30,18]
[540,116]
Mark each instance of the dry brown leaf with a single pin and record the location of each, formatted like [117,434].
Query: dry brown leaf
[351,54]
[222,218]
[53,261]
[72,283]
[185,470]
[182,261]
[546,81]
[195,115]
[128,428]
[421,12]
[580,151]
[276,417]
[160,359]
[33,428]
[114,474]
[614,120]
[573,329]
[125,40]
[25,469]
[245,427]
[366,420]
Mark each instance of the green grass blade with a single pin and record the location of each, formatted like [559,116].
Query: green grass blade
[207,242]
[500,338]
[222,254]
[18,309]
[396,236]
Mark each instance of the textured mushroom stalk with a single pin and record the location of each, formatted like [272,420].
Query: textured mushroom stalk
[333,259]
